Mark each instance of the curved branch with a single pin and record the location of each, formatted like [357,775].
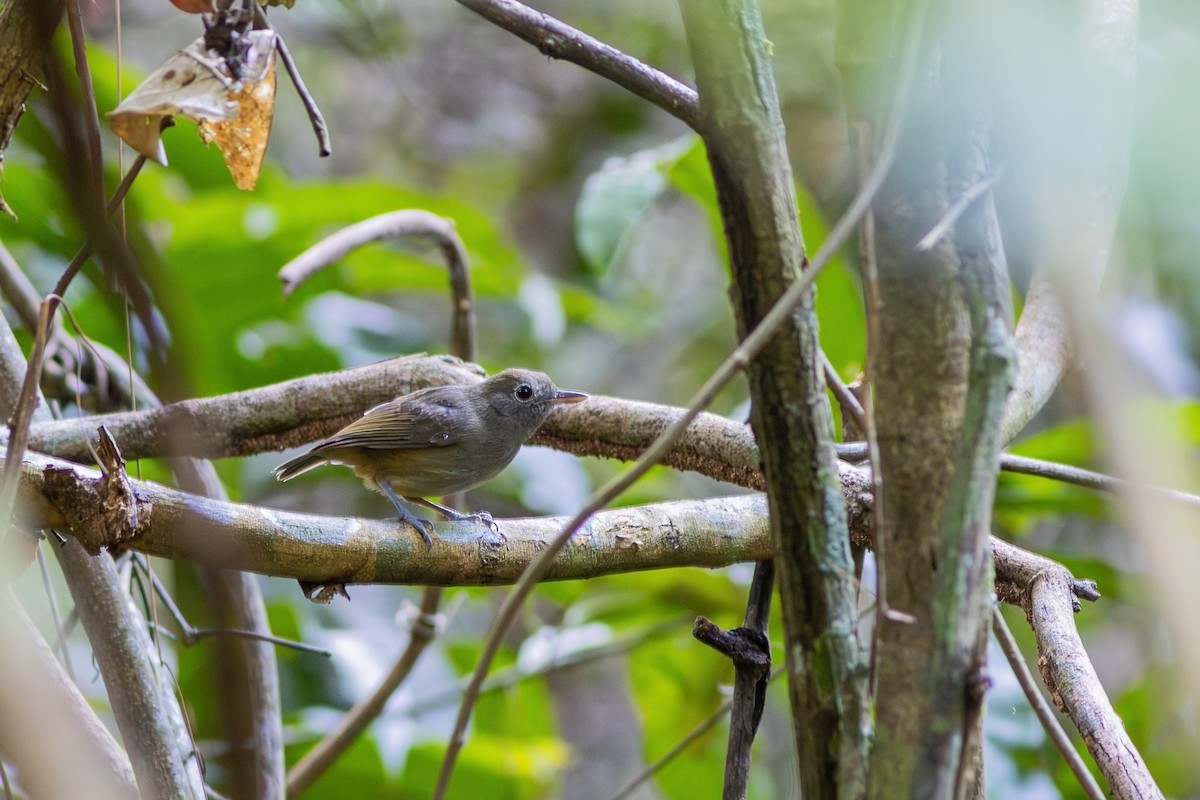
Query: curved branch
[1074,686]
[556,39]
[1044,350]
[462,345]
[1041,708]
[393,225]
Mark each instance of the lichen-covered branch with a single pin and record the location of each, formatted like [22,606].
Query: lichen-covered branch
[742,129]
[1045,589]
[294,412]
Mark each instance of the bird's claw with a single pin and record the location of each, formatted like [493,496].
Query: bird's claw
[486,519]
[424,527]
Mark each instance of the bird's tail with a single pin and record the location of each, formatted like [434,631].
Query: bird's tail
[298,466]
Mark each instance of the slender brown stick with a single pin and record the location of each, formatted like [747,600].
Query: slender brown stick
[1040,707]
[91,117]
[559,40]
[395,224]
[27,402]
[189,634]
[695,733]
[85,252]
[1087,478]
[422,631]
[315,117]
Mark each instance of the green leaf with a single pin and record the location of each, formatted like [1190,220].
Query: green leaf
[503,765]
[358,772]
[614,201]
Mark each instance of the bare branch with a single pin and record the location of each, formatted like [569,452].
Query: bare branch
[559,40]
[1040,707]
[142,697]
[288,414]
[1076,689]
[57,727]
[421,632]
[393,225]
[347,550]
[315,117]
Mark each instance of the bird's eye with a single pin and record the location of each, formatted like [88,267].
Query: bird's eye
[524,391]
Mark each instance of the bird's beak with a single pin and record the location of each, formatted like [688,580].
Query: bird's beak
[562,397]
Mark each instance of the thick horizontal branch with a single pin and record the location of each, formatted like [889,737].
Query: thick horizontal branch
[164,522]
[294,412]
[259,420]
[709,533]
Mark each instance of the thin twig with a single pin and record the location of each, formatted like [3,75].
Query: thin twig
[27,402]
[507,677]
[64,655]
[556,39]
[324,146]
[1042,708]
[754,342]
[190,634]
[846,399]
[85,252]
[873,308]
[692,735]
[943,225]
[1052,470]
[423,630]
[1087,478]
[91,117]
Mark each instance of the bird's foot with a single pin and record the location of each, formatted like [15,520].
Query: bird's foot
[423,526]
[479,516]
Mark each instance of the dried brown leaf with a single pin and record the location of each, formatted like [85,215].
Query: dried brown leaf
[235,111]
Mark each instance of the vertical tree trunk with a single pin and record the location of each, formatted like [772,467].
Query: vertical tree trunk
[944,372]
[741,126]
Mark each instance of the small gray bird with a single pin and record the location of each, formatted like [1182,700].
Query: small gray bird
[439,441]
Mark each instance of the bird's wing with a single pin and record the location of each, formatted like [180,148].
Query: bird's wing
[428,418]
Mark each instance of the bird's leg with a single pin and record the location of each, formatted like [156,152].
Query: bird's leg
[423,526]
[457,516]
